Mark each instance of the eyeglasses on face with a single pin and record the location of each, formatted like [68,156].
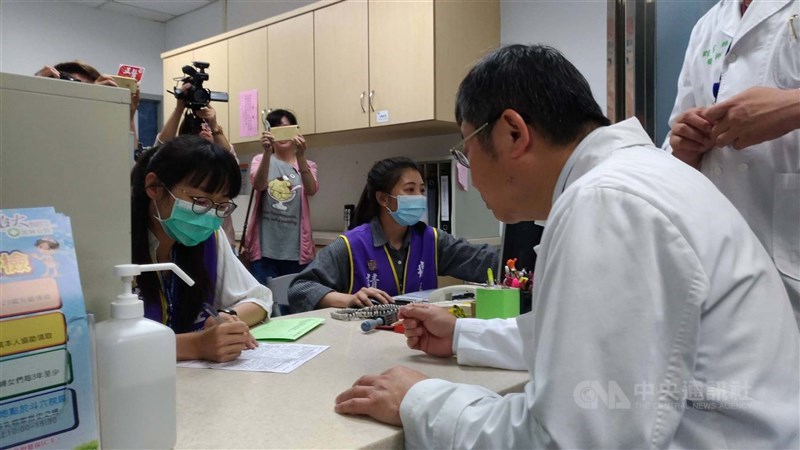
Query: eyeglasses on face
[457,151]
[202,205]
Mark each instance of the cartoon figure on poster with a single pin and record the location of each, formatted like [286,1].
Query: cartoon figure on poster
[47,247]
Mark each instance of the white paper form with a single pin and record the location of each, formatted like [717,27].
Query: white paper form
[278,358]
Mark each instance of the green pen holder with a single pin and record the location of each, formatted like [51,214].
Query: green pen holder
[496,302]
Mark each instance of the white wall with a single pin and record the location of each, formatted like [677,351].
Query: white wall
[576,28]
[35,33]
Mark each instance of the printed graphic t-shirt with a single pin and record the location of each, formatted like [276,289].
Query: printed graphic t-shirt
[280,212]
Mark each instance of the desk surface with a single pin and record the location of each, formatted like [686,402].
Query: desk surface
[231,409]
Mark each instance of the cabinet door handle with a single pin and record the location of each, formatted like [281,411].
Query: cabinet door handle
[361,101]
[371,94]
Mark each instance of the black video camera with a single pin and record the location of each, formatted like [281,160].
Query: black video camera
[196,96]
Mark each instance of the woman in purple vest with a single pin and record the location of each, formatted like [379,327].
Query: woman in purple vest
[180,193]
[390,251]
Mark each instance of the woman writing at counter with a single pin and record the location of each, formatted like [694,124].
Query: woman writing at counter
[181,191]
[389,251]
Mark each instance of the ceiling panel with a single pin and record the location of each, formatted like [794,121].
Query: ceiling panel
[173,7]
[137,12]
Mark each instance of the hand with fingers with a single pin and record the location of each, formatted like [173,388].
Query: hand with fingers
[222,342]
[365,295]
[428,328]
[267,141]
[756,115]
[299,145]
[379,396]
[105,80]
[690,136]
[48,72]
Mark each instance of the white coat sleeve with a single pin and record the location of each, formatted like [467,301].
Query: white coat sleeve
[489,343]
[618,307]
[685,99]
[234,283]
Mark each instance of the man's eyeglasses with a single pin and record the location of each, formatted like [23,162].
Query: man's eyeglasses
[202,205]
[457,151]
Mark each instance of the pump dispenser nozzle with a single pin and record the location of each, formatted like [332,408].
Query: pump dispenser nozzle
[128,305]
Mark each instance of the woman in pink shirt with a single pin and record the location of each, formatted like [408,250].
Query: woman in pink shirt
[278,237]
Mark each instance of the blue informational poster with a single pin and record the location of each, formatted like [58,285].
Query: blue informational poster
[46,381]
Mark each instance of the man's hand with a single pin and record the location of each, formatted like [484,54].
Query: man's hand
[690,137]
[364,295]
[379,396]
[429,328]
[756,115]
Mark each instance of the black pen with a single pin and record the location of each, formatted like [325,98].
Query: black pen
[207,308]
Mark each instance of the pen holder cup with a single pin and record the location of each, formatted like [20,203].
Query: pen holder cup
[496,303]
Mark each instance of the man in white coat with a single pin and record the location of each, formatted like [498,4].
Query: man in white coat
[658,318]
[737,119]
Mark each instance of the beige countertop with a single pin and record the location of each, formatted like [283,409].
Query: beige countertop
[230,409]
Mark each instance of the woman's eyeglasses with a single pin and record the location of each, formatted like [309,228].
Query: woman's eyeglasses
[202,205]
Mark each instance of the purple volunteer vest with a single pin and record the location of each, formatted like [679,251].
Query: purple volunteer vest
[372,267]
[155,310]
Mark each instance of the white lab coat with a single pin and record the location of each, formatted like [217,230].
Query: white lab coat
[658,321]
[762,181]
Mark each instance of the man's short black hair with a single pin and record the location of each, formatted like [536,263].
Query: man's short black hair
[537,82]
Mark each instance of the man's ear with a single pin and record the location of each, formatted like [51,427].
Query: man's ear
[515,133]
[152,186]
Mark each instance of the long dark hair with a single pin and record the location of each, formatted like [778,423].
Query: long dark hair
[203,165]
[381,178]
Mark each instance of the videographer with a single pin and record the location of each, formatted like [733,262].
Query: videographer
[202,122]
[84,73]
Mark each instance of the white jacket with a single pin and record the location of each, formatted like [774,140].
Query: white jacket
[659,321]
[762,181]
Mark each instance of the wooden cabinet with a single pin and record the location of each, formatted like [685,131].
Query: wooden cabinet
[216,55]
[247,70]
[353,64]
[405,58]
[290,50]
[401,61]
[341,68]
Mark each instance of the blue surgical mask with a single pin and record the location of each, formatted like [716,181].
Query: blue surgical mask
[410,209]
[187,227]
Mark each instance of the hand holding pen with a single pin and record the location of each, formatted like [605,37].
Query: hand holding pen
[228,324]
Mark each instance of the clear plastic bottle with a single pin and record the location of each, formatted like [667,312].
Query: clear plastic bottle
[136,371]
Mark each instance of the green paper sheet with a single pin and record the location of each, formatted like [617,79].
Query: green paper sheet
[285,329]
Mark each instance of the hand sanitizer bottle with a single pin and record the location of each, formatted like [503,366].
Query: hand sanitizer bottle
[136,370]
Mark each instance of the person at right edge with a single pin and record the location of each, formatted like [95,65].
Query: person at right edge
[737,119]
[658,321]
